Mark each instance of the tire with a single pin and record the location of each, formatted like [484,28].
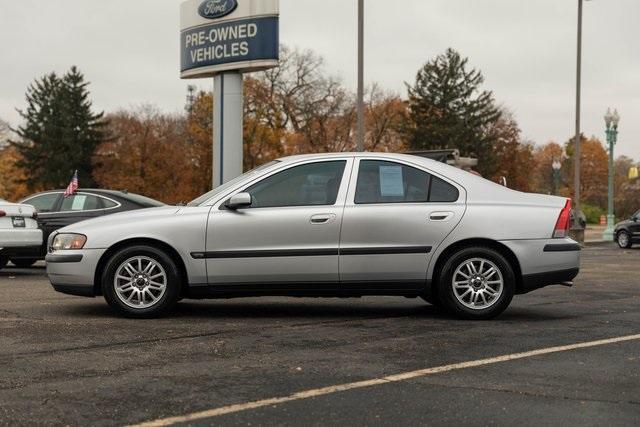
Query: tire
[24,262]
[492,285]
[624,240]
[3,261]
[155,285]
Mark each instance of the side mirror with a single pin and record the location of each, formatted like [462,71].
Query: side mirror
[237,201]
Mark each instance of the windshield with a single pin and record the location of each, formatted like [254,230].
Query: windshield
[205,197]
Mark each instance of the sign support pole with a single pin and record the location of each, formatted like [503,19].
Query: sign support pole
[227,126]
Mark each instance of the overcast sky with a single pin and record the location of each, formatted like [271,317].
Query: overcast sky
[526,49]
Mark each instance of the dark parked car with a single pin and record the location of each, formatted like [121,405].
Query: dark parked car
[55,211]
[628,232]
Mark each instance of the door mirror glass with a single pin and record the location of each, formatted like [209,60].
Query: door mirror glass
[240,200]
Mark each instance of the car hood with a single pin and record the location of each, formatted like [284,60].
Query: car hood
[112,220]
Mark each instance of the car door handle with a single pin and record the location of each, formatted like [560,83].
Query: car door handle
[322,218]
[440,216]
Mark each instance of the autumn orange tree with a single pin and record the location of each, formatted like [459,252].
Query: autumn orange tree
[12,177]
[198,144]
[510,157]
[541,173]
[146,155]
[593,170]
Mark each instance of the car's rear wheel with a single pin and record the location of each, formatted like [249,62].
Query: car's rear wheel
[476,283]
[141,281]
[23,262]
[624,240]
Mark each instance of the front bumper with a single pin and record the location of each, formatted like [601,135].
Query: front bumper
[20,237]
[73,271]
[545,262]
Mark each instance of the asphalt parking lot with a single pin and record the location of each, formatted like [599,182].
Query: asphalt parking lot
[68,360]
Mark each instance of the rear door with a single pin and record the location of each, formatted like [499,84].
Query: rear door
[396,214]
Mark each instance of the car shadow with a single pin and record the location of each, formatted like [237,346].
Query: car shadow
[15,271]
[296,309]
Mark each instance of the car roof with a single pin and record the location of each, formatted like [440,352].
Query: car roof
[133,197]
[399,156]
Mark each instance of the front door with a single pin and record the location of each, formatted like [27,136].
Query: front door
[290,232]
[395,216]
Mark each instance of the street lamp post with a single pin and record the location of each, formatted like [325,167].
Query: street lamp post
[611,120]
[556,166]
[360,108]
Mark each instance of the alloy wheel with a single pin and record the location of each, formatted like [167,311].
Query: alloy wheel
[140,282]
[623,240]
[477,283]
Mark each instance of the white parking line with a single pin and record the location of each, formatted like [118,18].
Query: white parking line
[377,381]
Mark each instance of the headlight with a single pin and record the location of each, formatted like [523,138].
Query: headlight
[68,241]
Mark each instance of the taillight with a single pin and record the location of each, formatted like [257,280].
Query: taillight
[564,220]
[3,213]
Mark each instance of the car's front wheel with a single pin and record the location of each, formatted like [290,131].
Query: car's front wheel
[624,240]
[141,281]
[476,283]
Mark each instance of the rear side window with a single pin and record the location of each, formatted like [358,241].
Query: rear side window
[81,202]
[442,191]
[106,203]
[389,182]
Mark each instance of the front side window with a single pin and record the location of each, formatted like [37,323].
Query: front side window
[81,202]
[312,184]
[44,202]
[389,182]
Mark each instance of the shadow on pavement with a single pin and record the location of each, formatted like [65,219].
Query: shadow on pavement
[303,309]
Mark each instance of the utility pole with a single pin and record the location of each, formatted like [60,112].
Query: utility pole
[360,75]
[576,180]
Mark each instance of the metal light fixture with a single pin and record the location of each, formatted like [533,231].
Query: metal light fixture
[556,166]
[611,120]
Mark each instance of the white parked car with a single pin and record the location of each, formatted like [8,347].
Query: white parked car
[18,228]
[343,224]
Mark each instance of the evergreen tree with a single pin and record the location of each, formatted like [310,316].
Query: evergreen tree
[60,131]
[448,108]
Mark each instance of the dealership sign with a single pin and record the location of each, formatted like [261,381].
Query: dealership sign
[228,35]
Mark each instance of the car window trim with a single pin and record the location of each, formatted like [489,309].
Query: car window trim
[118,204]
[346,175]
[351,197]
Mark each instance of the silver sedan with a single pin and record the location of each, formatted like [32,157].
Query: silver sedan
[329,225]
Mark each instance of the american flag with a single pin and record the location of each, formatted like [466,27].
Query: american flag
[73,185]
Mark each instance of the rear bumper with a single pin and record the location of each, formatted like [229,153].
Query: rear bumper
[531,282]
[73,272]
[20,238]
[545,262]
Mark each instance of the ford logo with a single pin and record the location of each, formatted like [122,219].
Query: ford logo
[212,9]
